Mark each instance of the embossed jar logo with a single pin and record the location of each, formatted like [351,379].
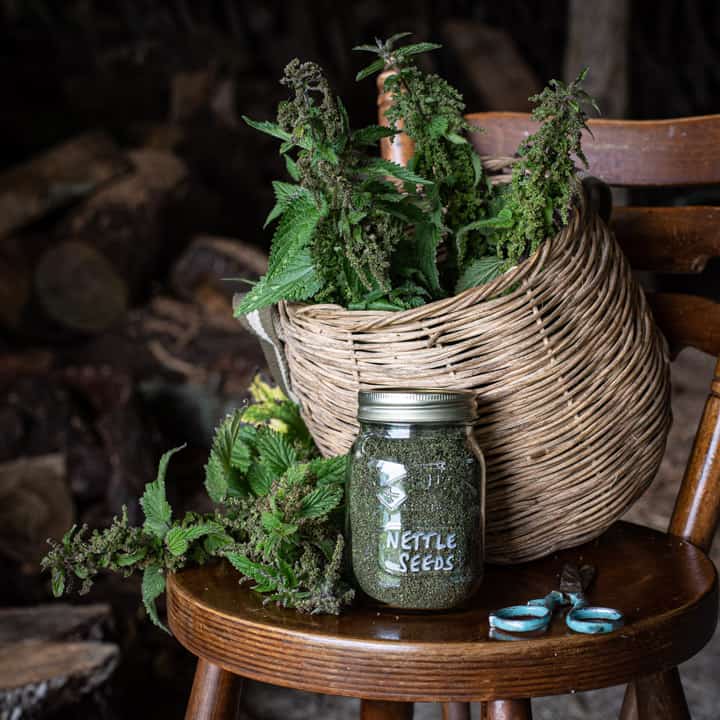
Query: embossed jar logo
[414,550]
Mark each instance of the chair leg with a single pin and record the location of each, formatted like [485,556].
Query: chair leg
[509,710]
[381,710]
[456,711]
[215,693]
[629,709]
[661,696]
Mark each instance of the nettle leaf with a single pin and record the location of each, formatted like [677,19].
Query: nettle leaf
[329,470]
[456,139]
[372,134]
[371,69]
[269,128]
[321,501]
[294,231]
[128,559]
[158,512]
[381,168]
[264,575]
[58,582]
[241,455]
[481,271]
[287,572]
[502,221]
[297,281]
[216,541]
[153,586]
[477,168]
[295,475]
[178,539]
[262,392]
[292,168]
[416,49]
[273,524]
[427,239]
[274,451]
[390,42]
[220,476]
[260,479]
[216,483]
[291,274]
[285,195]
[437,127]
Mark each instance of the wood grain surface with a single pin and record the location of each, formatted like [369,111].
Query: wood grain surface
[666,587]
[687,321]
[668,239]
[629,153]
[215,694]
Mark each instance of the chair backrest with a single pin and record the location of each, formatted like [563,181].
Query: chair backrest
[682,152]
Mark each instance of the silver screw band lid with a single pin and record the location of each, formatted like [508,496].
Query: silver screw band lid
[416,405]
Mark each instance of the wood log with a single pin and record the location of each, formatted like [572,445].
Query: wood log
[35,504]
[42,676]
[215,265]
[54,622]
[125,222]
[78,288]
[494,66]
[56,178]
[81,279]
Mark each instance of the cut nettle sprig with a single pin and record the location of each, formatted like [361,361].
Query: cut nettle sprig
[276,521]
[341,220]
[390,56]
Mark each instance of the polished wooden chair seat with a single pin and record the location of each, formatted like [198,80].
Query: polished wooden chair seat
[665,587]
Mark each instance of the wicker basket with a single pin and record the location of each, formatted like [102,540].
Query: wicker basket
[571,373]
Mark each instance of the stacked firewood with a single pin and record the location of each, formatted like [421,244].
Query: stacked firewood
[117,342]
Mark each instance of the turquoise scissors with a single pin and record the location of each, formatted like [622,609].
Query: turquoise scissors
[536,615]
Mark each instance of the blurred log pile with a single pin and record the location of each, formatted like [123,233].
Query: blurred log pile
[117,342]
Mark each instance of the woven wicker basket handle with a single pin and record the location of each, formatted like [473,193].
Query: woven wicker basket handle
[263,325]
[599,197]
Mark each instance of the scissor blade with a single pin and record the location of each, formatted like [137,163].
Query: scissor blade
[574,580]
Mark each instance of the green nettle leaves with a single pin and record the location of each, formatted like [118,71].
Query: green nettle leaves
[220,477]
[277,519]
[153,586]
[291,273]
[58,582]
[158,512]
[369,234]
[480,271]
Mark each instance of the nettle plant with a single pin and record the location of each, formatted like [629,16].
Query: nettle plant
[366,233]
[278,518]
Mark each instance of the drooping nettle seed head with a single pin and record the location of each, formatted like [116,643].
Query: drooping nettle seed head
[312,102]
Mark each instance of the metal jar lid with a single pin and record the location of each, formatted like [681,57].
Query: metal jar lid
[416,405]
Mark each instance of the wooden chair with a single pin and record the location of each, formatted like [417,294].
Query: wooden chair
[664,584]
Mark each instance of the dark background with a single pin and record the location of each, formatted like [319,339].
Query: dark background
[161,359]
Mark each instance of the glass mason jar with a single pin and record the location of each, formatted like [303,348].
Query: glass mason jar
[416,498]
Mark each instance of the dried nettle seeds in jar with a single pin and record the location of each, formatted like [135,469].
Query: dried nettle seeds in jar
[415,501]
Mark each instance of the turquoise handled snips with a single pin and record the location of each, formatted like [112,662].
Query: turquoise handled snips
[536,615]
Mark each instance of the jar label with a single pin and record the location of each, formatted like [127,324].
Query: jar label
[418,551]
[405,551]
